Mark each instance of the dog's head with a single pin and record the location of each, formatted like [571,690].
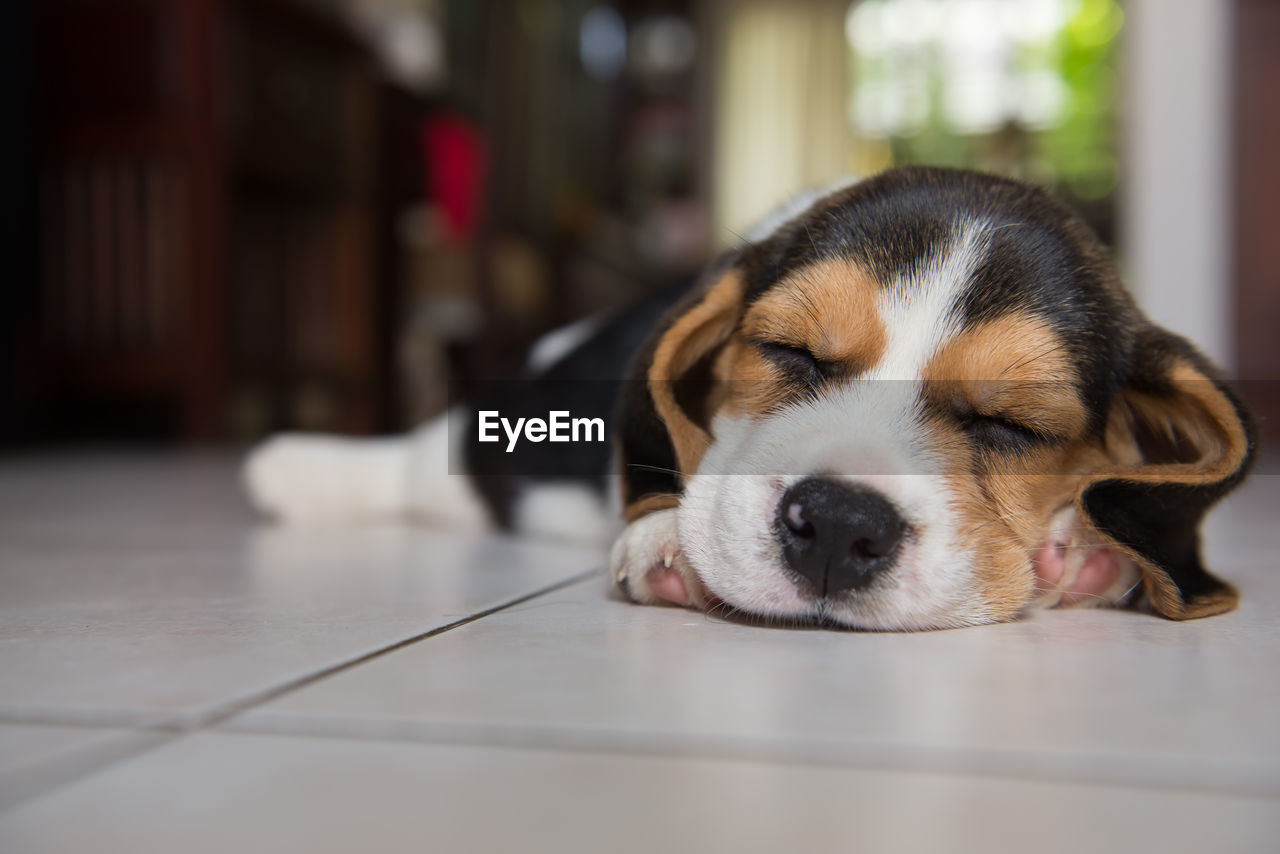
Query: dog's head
[901,408]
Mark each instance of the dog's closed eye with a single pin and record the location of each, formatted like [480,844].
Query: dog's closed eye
[997,432]
[1000,433]
[795,362]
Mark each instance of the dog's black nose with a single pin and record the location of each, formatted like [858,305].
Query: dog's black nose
[837,536]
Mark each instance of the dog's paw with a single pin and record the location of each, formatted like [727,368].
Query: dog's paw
[1074,568]
[648,566]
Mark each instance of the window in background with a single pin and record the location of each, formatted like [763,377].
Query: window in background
[778,92]
[1026,88]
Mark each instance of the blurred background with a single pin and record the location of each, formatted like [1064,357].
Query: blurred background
[240,216]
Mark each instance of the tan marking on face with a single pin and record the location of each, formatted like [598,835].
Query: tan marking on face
[649,504]
[828,308]
[1014,367]
[1005,506]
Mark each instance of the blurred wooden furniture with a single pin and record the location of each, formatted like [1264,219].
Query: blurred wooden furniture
[208,220]
[1257,208]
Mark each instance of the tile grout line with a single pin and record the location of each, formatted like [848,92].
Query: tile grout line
[42,777]
[1010,764]
[235,707]
[142,738]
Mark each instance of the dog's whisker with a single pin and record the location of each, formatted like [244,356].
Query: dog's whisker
[647,467]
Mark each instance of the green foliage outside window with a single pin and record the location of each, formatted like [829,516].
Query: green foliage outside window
[1026,88]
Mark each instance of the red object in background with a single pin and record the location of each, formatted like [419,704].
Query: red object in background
[456,157]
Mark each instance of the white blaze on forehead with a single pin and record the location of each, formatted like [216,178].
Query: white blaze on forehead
[917,311]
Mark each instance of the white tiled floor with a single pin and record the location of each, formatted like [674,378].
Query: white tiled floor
[173,676]
[24,745]
[148,593]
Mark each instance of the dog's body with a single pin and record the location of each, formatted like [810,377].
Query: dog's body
[925,400]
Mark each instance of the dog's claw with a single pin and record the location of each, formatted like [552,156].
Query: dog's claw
[649,566]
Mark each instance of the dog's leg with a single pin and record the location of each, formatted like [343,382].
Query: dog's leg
[648,566]
[301,478]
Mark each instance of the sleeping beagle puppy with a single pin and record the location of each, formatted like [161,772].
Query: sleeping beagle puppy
[920,401]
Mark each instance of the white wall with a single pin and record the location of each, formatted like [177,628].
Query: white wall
[1175,206]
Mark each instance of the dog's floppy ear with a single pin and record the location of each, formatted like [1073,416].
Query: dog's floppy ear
[679,377]
[665,408]
[1181,440]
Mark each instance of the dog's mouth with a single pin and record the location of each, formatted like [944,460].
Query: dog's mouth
[1068,572]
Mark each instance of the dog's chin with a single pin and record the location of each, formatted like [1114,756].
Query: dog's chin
[844,611]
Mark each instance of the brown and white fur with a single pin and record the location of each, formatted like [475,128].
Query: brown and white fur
[924,400]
